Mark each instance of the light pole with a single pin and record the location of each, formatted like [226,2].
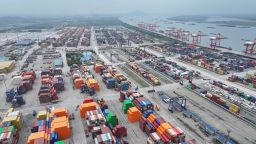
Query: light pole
[228,136]
[17,62]
[3,78]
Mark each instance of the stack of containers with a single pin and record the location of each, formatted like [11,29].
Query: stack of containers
[87,107]
[105,136]
[47,92]
[111,83]
[24,80]
[124,86]
[58,83]
[78,82]
[94,118]
[50,127]
[119,77]
[41,115]
[105,77]
[111,119]
[126,105]
[134,114]
[163,129]
[60,127]
[10,126]
[92,83]
[120,131]
[15,118]
[87,100]
[143,104]
[98,67]
[151,123]
[112,78]
[153,138]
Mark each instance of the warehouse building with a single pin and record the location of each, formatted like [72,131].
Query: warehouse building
[25,42]
[86,56]
[6,66]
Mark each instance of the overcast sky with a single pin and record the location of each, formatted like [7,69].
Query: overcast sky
[170,7]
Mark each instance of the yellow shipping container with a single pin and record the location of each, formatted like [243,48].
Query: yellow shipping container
[10,110]
[234,108]
[221,72]
[41,115]
[118,75]
[15,120]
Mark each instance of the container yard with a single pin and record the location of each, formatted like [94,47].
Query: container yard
[111,36]
[41,59]
[113,84]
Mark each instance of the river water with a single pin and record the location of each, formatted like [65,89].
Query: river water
[234,34]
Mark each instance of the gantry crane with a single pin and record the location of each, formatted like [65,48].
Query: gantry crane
[250,46]
[169,31]
[216,39]
[185,35]
[197,37]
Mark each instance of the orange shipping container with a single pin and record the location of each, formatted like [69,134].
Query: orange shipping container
[78,83]
[134,114]
[59,112]
[62,129]
[163,127]
[59,119]
[34,136]
[45,81]
[92,83]
[87,107]
[97,67]
[151,118]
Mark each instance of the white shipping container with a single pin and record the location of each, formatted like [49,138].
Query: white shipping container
[17,80]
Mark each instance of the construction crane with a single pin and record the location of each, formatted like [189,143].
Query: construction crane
[216,39]
[197,37]
[249,46]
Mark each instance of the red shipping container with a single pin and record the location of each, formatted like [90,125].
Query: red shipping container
[142,126]
[161,120]
[155,124]
[87,100]
[164,138]
[192,141]
[148,129]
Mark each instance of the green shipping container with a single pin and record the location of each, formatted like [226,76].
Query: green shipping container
[251,85]
[62,142]
[1,130]
[111,119]
[126,105]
